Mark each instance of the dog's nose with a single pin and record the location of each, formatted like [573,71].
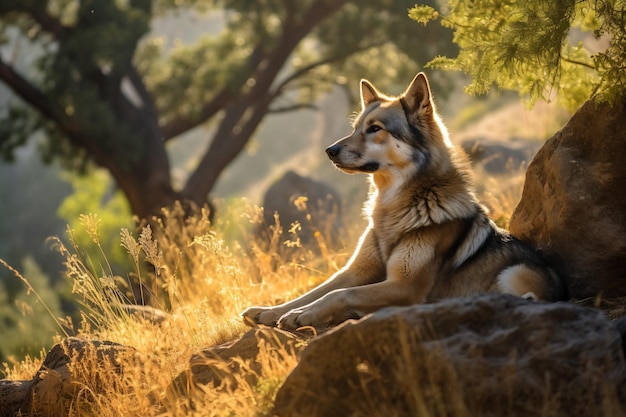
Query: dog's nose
[333,150]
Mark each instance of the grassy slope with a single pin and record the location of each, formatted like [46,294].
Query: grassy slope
[204,282]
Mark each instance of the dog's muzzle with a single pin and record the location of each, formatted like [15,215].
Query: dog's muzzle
[333,152]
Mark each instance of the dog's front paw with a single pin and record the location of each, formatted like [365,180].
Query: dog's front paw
[294,319]
[261,315]
[289,320]
[315,317]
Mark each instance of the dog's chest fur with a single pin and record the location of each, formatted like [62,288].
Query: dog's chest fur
[412,210]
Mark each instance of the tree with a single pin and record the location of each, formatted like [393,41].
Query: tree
[105,93]
[537,47]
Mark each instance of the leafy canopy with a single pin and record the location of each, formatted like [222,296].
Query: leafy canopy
[574,47]
[106,90]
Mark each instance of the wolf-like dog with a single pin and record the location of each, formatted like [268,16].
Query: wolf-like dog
[428,236]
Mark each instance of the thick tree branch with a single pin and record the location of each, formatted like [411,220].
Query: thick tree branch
[244,115]
[294,30]
[47,22]
[218,102]
[293,107]
[184,123]
[40,102]
[234,132]
[142,117]
[329,60]
[27,92]
[145,96]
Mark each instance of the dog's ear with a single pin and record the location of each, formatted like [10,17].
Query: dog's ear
[369,94]
[417,95]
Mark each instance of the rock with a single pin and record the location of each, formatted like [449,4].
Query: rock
[220,365]
[148,313]
[490,355]
[573,207]
[69,366]
[12,395]
[498,157]
[316,206]
[620,325]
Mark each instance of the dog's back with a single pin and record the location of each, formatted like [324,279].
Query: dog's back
[484,258]
[436,208]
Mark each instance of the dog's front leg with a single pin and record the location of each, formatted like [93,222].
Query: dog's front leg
[349,303]
[366,266]
[410,277]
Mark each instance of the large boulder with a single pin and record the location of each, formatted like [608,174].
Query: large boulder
[500,158]
[219,365]
[573,207]
[68,368]
[491,355]
[223,367]
[315,205]
[12,395]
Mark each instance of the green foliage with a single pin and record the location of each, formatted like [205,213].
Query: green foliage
[528,46]
[18,125]
[423,14]
[399,52]
[102,43]
[187,76]
[28,318]
[95,193]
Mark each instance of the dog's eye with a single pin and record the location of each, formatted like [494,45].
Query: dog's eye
[373,129]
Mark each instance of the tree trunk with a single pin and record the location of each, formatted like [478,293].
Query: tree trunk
[146,183]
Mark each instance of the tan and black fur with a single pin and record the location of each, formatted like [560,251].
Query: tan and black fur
[428,237]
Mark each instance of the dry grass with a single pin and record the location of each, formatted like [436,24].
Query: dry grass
[183,266]
[500,193]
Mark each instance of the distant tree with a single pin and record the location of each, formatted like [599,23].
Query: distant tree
[537,47]
[108,94]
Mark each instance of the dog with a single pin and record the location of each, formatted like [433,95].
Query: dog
[428,236]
